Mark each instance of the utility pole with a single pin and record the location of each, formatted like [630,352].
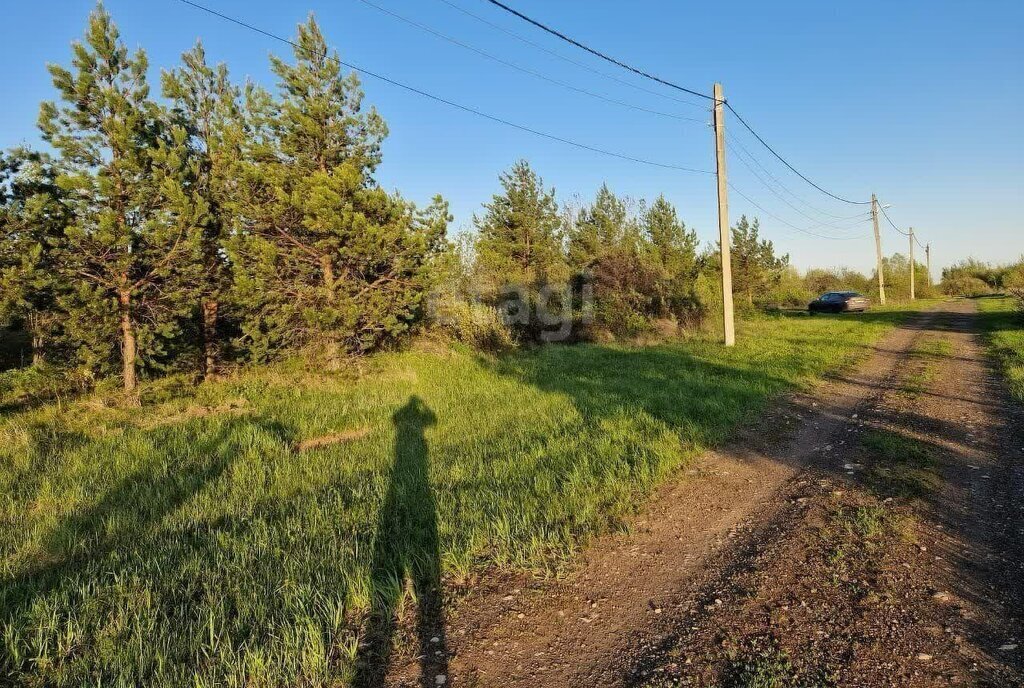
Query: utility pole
[912,269]
[878,249]
[723,217]
[928,261]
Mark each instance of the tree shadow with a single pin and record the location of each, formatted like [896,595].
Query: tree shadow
[15,348]
[106,537]
[701,400]
[406,546]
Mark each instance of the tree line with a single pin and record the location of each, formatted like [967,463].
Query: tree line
[971,277]
[156,233]
[224,222]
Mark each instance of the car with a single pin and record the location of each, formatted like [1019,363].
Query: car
[839,302]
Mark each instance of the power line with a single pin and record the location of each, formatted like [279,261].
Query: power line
[439,99]
[786,163]
[732,138]
[833,223]
[514,125]
[525,70]
[637,70]
[598,53]
[906,234]
[564,58]
[889,220]
[790,224]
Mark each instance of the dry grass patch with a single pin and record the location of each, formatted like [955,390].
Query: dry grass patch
[331,439]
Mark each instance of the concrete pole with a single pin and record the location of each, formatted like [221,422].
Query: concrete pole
[723,217]
[912,270]
[928,261]
[878,250]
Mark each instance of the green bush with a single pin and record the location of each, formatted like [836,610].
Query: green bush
[26,386]
[476,324]
[965,285]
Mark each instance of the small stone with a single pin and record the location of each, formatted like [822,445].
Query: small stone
[923,657]
[520,616]
[1008,647]
[942,596]
[440,680]
[435,639]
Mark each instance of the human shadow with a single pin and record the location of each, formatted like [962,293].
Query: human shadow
[406,546]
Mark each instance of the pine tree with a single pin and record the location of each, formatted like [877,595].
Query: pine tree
[33,217]
[520,263]
[755,267]
[673,250]
[609,251]
[324,255]
[519,235]
[206,104]
[603,225]
[120,168]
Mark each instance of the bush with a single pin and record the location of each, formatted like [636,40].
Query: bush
[965,285]
[475,324]
[1013,283]
[28,386]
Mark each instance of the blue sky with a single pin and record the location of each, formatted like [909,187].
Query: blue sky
[920,102]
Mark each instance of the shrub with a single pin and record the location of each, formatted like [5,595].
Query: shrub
[965,285]
[27,386]
[475,324]
[1013,283]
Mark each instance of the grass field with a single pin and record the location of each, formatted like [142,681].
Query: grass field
[1004,324]
[239,533]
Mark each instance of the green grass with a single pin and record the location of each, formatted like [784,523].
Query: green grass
[1003,321]
[761,668]
[188,542]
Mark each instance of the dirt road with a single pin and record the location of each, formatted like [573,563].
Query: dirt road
[869,534]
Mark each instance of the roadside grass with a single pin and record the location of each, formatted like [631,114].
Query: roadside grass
[1003,320]
[901,466]
[238,533]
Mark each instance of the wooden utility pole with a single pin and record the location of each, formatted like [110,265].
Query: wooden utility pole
[723,217]
[928,261]
[878,249]
[912,270]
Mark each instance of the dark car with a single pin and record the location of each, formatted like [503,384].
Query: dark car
[839,302]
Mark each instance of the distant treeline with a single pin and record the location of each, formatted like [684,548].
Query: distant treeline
[224,222]
[972,277]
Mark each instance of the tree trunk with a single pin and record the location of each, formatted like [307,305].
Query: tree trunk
[128,346]
[37,351]
[35,329]
[327,266]
[332,349]
[208,333]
